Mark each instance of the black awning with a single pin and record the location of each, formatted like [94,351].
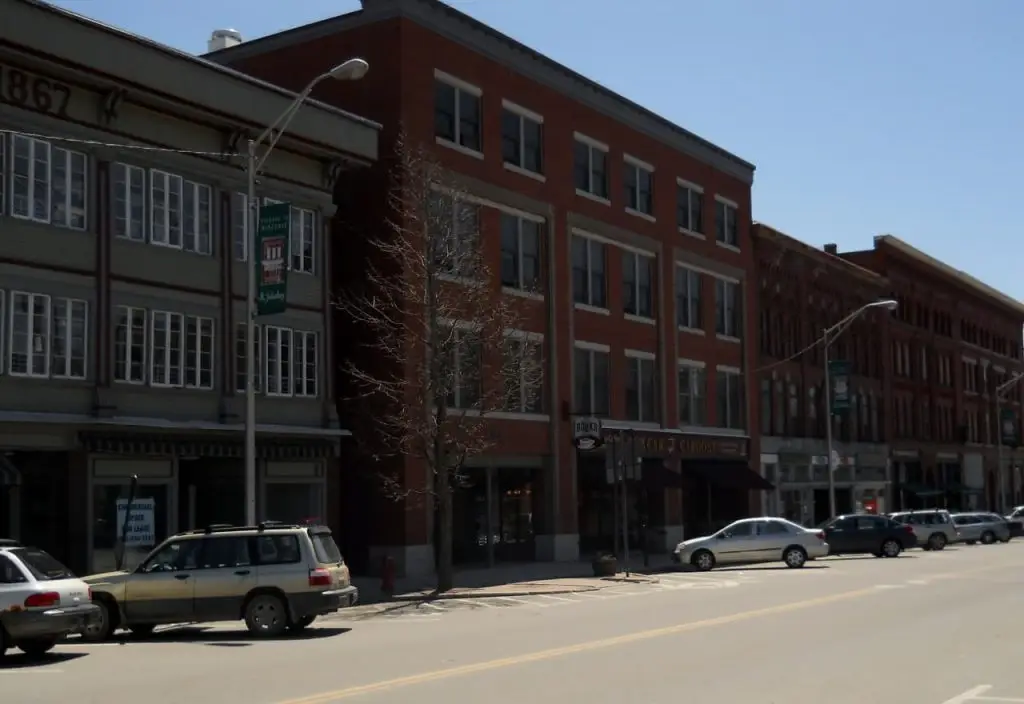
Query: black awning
[728,474]
[9,474]
[657,476]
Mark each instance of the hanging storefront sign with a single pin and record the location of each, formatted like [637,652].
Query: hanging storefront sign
[272,258]
[586,433]
[839,379]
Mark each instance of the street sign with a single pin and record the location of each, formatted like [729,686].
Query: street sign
[586,433]
[272,258]
[839,378]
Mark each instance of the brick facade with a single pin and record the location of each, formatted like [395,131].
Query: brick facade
[419,50]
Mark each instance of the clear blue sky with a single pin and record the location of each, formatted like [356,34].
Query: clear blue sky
[866,117]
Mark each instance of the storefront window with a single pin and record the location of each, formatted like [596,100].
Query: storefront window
[148,526]
[295,502]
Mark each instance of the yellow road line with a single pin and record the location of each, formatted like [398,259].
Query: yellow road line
[601,644]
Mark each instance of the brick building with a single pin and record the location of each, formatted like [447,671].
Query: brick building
[803,291]
[952,343]
[641,230]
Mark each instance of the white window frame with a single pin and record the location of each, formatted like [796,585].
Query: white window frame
[735,375]
[33,181]
[129,313]
[240,214]
[123,180]
[62,369]
[281,333]
[591,241]
[520,286]
[731,207]
[635,357]
[169,352]
[242,355]
[638,165]
[692,190]
[205,327]
[592,348]
[300,348]
[726,334]
[688,324]
[299,236]
[693,366]
[524,114]
[653,261]
[461,86]
[173,219]
[593,144]
[30,335]
[534,340]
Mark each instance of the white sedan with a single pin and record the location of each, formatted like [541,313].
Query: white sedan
[753,540]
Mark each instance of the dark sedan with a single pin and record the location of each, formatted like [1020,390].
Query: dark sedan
[867,534]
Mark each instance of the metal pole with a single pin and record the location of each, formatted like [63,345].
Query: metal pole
[625,520]
[828,432]
[252,222]
[999,458]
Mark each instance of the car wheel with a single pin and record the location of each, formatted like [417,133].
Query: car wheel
[142,630]
[36,647]
[266,615]
[302,623]
[938,541]
[891,548]
[703,560]
[102,625]
[794,557]
[970,542]
[988,537]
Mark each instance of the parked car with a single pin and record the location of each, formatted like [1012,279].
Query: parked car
[41,600]
[1016,520]
[933,527]
[867,534]
[985,528]
[753,540]
[275,577]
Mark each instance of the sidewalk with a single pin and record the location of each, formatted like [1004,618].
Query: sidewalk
[522,579]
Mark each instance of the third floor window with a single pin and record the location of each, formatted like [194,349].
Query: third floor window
[302,244]
[726,228]
[457,112]
[590,167]
[47,183]
[639,186]
[522,139]
[689,207]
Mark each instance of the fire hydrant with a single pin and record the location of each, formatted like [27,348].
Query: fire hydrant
[387,575]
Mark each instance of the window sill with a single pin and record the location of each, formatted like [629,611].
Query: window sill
[590,196]
[691,233]
[641,215]
[591,309]
[522,293]
[643,424]
[691,331]
[459,148]
[525,172]
[498,415]
[728,338]
[639,319]
[726,245]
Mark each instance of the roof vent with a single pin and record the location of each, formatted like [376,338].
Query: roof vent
[223,39]
[832,249]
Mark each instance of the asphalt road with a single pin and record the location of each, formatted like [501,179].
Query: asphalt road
[927,628]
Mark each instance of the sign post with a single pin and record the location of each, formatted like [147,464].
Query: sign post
[272,258]
[839,376]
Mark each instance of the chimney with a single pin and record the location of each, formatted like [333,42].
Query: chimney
[832,249]
[223,39]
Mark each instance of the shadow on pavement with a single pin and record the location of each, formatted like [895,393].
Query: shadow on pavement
[759,567]
[222,638]
[16,660]
[842,558]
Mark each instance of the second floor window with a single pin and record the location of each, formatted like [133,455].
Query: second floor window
[278,360]
[524,382]
[637,284]
[180,213]
[590,167]
[641,401]
[457,113]
[730,399]
[589,284]
[69,347]
[463,376]
[728,311]
[688,299]
[520,253]
[242,358]
[590,381]
[522,140]
[29,343]
[48,183]
[692,395]
[280,346]
[180,350]
[455,235]
[130,345]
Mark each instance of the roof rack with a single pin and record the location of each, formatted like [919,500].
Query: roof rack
[230,528]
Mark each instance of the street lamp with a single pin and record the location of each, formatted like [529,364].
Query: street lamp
[828,337]
[351,70]
[1005,386]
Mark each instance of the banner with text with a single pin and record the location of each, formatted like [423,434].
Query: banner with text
[272,258]
[839,378]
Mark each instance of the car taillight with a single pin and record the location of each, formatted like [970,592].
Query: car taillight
[319,578]
[821,535]
[908,529]
[42,600]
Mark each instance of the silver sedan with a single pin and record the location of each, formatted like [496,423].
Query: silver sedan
[753,540]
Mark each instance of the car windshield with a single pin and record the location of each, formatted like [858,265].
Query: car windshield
[41,564]
[326,550]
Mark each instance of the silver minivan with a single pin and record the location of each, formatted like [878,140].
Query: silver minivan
[984,528]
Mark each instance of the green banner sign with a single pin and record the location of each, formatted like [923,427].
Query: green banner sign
[1008,427]
[839,380]
[272,258]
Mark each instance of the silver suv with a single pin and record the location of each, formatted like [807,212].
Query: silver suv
[934,528]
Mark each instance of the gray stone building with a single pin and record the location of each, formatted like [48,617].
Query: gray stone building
[122,280]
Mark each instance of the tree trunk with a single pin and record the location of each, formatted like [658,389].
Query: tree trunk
[445,569]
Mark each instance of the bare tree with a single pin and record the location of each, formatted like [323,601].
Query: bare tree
[442,347]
